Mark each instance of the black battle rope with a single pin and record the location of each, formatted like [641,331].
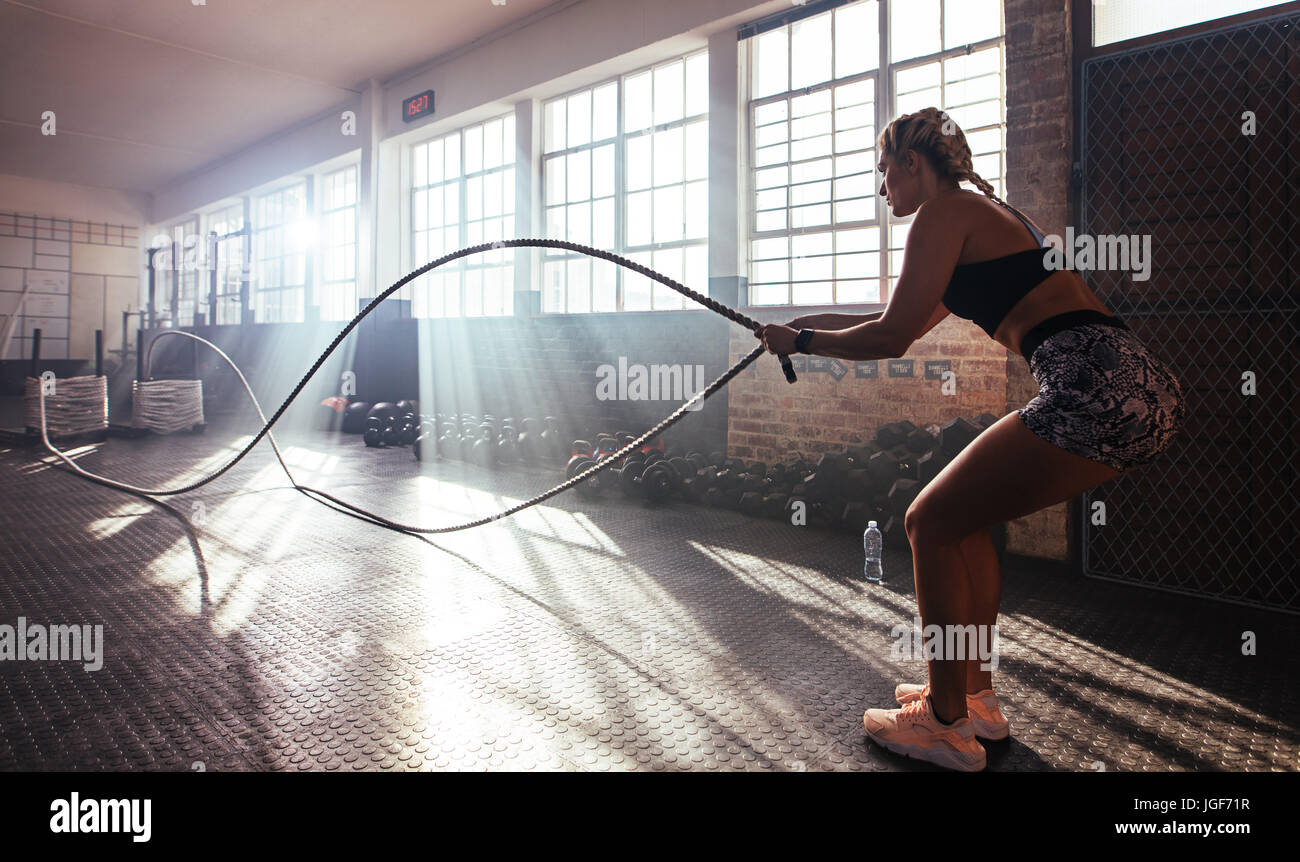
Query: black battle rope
[599,466]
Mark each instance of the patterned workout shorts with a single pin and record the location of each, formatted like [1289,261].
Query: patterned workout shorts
[1104,396]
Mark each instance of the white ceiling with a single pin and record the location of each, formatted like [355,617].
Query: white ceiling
[147,91]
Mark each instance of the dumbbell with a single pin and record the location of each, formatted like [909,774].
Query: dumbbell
[956,434]
[907,462]
[901,495]
[929,465]
[920,441]
[578,464]
[891,435]
[882,467]
[658,481]
[374,433]
[628,473]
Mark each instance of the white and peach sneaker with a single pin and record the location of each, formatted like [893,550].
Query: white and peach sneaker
[913,731]
[982,707]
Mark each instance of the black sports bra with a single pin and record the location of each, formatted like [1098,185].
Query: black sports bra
[986,291]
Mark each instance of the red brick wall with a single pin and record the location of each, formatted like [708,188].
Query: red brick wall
[771,420]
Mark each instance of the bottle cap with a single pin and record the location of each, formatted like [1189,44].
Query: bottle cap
[870,524]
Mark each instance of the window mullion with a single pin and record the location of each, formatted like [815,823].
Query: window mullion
[884,109]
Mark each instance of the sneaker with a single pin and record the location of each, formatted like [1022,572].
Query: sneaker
[982,708]
[913,731]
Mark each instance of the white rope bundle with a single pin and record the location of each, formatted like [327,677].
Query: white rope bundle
[73,405]
[167,406]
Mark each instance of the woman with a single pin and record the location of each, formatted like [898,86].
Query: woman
[1105,406]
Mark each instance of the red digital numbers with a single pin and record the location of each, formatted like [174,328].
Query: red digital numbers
[418,106]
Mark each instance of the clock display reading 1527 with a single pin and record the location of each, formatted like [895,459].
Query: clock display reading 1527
[417,106]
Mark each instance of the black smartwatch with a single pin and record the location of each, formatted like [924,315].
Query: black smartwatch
[802,340]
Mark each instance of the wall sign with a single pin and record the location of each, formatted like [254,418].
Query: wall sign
[900,368]
[934,368]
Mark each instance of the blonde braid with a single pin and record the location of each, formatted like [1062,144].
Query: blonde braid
[950,155]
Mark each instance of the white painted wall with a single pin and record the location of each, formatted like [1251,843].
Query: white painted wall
[67,200]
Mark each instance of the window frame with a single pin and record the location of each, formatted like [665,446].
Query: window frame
[885,76]
[256,290]
[620,142]
[500,260]
[323,286]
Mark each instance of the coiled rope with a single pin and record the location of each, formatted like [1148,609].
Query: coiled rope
[265,431]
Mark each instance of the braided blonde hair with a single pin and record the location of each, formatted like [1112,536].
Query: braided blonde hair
[935,135]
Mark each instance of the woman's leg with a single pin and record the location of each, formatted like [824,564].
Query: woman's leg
[985,576]
[1007,473]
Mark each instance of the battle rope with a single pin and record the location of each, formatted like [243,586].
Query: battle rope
[265,431]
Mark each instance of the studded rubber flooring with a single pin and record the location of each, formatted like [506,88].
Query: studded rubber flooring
[249,628]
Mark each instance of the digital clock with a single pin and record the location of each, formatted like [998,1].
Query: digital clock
[417,106]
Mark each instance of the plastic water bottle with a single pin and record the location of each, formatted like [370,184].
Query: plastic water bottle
[871,544]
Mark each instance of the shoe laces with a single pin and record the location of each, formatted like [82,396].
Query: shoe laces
[917,709]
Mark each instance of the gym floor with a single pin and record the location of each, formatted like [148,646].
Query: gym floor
[247,627]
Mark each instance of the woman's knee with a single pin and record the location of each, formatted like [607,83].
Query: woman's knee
[923,526]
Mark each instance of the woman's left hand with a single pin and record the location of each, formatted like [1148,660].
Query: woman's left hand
[778,339]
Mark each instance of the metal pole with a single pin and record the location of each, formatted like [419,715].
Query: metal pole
[148,322]
[212,277]
[99,353]
[176,287]
[36,353]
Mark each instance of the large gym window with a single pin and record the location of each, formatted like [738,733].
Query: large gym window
[463,194]
[337,283]
[625,169]
[281,235]
[1117,20]
[819,234]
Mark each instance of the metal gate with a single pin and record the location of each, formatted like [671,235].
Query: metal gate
[1196,143]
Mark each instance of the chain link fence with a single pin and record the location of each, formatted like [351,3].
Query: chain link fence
[1195,142]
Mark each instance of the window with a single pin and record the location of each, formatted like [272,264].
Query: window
[280,238]
[463,194]
[177,273]
[1117,20]
[337,292]
[625,169]
[818,233]
[229,260]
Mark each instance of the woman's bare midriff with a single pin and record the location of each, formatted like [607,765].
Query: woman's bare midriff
[1060,292]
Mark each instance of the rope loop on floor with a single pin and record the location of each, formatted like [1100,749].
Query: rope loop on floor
[265,431]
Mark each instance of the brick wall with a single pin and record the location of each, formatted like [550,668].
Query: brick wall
[1040,127]
[770,420]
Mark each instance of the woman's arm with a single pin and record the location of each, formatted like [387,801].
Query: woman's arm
[933,247]
[832,320]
